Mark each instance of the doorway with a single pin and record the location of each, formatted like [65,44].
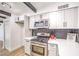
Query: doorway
[1,35]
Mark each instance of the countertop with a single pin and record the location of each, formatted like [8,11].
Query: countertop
[30,38]
[66,47]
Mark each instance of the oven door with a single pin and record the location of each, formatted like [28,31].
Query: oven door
[38,50]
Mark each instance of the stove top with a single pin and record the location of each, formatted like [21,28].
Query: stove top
[42,40]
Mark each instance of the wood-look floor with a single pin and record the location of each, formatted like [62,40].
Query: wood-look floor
[1,44]
[18,52]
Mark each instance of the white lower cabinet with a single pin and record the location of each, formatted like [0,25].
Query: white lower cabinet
[27,47]
[52,50]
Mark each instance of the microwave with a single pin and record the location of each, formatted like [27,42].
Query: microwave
[41,24]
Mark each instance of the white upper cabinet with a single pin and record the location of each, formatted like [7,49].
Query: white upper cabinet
[71,18]
[78,18]
[56,19]
[60,19]
[45,16]
[31,22]
[64,19]
[53,20]
[22,17]
[37,17]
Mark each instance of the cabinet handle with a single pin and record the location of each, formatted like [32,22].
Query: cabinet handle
[64,24]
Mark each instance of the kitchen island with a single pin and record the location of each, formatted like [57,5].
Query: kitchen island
[66,47]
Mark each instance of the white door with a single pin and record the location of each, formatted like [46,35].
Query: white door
[7,35]
[1,35]
[1,32]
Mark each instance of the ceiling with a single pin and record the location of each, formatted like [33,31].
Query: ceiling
[20,8]
[42,5]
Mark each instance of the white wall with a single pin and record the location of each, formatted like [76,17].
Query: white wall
[27,31]
[13,34]
[7,34]
[16,35]
[54,7]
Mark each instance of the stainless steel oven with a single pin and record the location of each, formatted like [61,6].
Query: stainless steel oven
[38,49]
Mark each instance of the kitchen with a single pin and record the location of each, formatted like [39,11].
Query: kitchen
[45,29]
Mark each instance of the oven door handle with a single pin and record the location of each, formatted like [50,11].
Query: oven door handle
[38,44]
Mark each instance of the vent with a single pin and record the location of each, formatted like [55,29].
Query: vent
[1,22]
[63,6]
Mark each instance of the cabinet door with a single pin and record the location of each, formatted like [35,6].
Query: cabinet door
[21,18]
[78,18]
[56,19]
[52,50]
[60,19]
[53,20]
[37,18]
[7,34]
[45,16]
[31,22]
[70,16]
[27,47]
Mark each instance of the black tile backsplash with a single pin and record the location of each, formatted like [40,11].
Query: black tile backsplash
[77,40]
[35,31]
[60,33]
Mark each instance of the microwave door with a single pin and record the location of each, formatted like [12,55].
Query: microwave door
[41,23]
[46,23]
[36,24]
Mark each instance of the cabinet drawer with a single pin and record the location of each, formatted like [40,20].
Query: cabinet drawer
[52,53]
[52,49]
[27,45]
[52,46]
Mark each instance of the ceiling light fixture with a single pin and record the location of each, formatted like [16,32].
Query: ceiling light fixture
[6,4]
